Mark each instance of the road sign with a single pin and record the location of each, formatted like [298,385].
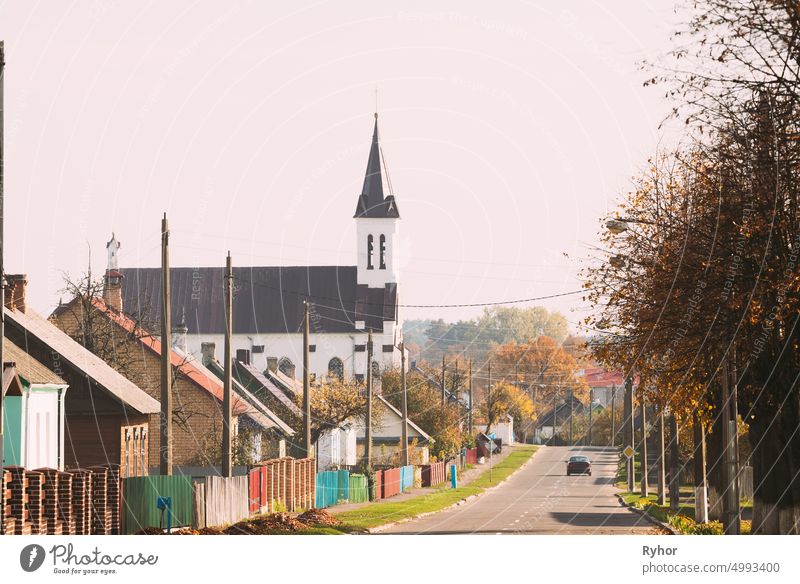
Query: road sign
[628,452]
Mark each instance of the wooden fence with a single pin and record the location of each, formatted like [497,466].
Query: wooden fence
[282,484]
[219,500]
[434,474]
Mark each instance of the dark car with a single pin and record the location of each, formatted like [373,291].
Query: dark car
[579,465]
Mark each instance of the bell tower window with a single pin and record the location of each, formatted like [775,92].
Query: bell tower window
[383,251]
[370,251]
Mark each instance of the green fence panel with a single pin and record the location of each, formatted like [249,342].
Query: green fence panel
[343,492]
[139,497]
[358,489]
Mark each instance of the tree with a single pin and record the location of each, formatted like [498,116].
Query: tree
[336,401]
[504,399]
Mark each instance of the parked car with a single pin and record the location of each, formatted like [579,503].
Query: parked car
[579,465]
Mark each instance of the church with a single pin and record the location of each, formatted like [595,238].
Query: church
[346,302]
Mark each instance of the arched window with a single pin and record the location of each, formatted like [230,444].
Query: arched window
[286,367]
[370,250]
[336,368]
[383,251]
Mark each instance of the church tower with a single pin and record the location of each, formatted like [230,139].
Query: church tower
[377,224]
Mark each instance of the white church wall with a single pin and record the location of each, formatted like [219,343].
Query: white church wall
[390,228]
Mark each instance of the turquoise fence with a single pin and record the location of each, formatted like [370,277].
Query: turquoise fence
[358,489]
[333,487]
[140,496]
[406,477]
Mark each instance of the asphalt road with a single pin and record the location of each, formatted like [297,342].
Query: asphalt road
[541,499]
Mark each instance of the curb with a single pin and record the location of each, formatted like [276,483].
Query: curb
[665,526]
[385,526]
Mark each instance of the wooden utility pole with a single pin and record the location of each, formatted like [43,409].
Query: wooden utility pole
[674,465]
[368,421]
[455,381]
[307,446]
[731,519]
[404,389]
[489,396]
[643,413]
[444,398]
[227,395]
[589,432]
[571,415]
[165,465]
[629,431]
[700,477]
[2,272]
[471,402]
[662,462]
[613,415]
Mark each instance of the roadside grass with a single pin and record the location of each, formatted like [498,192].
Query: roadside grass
[381,513]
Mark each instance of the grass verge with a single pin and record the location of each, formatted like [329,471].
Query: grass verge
[681,520]
[360,520]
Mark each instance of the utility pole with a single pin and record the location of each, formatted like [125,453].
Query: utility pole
[444,399]
[166,345]
[674,465]
[555,413]
[629,430]
[455,381]
[613,415]
[227,397]
[471,403]
[2,271]
[731,519]
[589,437]
[404,389]
[571,412]
[643,410]
[368,429]
[489,398]
[307,446]
[662,461]
[700,480]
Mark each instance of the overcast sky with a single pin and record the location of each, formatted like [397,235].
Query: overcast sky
[509,129]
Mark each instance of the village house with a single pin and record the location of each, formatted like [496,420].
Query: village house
[345,301]
[197,393]
[106,416]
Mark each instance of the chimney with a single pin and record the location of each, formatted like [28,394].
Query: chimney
[178,336]
[16,285]
[112,283]
[272,364]
[243,356]
[209,352]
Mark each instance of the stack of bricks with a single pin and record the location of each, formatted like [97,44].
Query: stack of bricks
[82,500]
[36,502]
[5,500]
[99,509]
[64,505]
[52,520]
[18,485]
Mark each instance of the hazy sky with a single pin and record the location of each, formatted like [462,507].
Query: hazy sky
[509,128]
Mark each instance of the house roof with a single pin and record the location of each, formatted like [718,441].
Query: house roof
[252,373]
[399,414]
[267,299]
[258,410]
[71,352]
[187,365]
[29,368]
[600,377]
[371,202]
[284,382]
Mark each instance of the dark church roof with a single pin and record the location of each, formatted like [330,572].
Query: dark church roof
[371,202]
[266,299]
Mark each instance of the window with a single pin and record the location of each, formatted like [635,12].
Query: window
[383,252]
[370,250]
[336,368]
[127,452]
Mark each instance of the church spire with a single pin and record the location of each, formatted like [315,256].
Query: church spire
[372,202]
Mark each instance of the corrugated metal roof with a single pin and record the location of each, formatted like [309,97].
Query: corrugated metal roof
[267,299]
[32,370]
[93,366]
[251,372]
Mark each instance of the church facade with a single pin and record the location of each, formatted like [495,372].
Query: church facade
[345,302]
